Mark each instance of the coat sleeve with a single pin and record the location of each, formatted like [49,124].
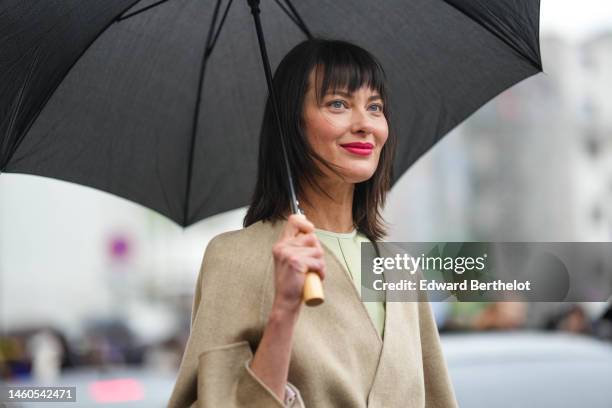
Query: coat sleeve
[226,320]
[439,391]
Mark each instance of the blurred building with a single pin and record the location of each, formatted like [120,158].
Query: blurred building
[534,164]
[539,154]
[597,134]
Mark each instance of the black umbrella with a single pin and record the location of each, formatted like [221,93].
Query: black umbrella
[160,102]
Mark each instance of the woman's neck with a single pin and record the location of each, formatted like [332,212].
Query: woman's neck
[334,214]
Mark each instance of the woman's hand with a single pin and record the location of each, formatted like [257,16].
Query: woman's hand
[296,252]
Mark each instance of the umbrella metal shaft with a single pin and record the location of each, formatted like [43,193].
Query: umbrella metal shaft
[254,4]
[313,290]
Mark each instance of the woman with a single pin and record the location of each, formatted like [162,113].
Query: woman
[252,344]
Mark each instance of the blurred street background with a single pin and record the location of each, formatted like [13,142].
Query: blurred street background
[96,291]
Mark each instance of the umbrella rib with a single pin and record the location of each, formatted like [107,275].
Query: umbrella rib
[12,147]
[297,15]
[134,13]
[210,39]
[51,91]
[287,12]
[210,44]
[514,47]
[294,16]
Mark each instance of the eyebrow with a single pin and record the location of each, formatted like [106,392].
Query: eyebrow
[348,95]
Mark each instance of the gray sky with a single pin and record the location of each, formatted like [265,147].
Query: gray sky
[575,19]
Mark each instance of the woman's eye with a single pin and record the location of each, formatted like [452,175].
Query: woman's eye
[377,107]
[337,104]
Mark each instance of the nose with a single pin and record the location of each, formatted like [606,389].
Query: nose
[361,122]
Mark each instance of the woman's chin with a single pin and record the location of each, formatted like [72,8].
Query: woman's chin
[359,177]
[356,171]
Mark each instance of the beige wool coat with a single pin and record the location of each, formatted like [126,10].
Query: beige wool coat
[338,358]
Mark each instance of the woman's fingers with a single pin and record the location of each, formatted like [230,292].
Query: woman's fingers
[307,252]
[317,266]
[305,240]
[300,259]
[296,224]
[303,264]
[295,255]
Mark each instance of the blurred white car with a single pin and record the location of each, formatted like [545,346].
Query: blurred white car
[529,369]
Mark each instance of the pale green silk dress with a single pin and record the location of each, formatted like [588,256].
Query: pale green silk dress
[347,249]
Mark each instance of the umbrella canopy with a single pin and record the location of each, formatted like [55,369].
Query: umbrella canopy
[164,109]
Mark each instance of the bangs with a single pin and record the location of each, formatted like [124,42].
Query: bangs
[348,68]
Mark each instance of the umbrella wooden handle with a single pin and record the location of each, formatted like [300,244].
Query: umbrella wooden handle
[313,289]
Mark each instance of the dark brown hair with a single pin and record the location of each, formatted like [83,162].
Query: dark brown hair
[342,65]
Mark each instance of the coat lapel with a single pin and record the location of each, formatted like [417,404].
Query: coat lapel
[401,353]
[382,393]
[399,349]
[355,293]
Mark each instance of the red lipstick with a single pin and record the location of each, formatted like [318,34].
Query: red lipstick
[359,148]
